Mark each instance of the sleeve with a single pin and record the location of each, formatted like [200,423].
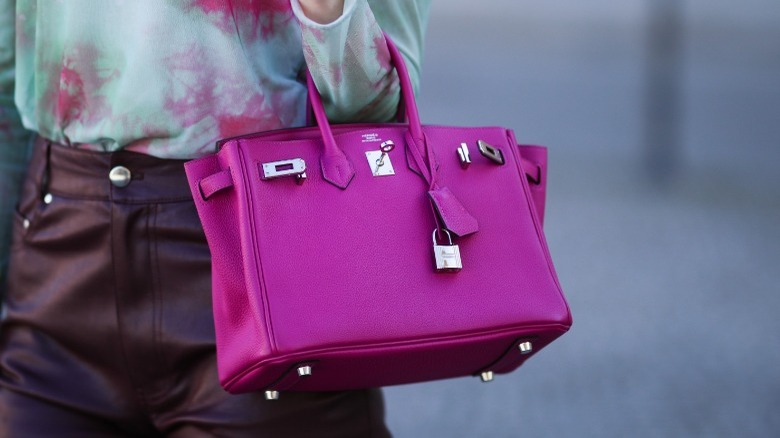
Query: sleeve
[349,60]
[13,137]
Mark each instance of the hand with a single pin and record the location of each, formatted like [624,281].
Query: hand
[322,11]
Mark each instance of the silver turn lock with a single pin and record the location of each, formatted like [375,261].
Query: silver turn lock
[447,256]
[278,169]
[120,176]
[487,376]
[525,347]
[272,395]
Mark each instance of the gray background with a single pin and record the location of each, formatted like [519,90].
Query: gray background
[667,251]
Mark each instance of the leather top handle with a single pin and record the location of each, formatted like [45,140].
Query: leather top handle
[336,167]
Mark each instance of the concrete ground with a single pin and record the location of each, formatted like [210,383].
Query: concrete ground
[672,277]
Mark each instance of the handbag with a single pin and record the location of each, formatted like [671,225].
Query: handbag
[364,255]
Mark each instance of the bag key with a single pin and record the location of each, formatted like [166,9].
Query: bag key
[379,161]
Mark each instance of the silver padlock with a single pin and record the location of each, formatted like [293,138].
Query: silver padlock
[447,256]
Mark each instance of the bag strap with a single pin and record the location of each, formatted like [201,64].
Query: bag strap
[448,212]
[336,167]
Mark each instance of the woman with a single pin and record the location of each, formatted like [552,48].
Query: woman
[107,328]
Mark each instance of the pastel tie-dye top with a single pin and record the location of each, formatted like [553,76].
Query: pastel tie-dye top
[170,77]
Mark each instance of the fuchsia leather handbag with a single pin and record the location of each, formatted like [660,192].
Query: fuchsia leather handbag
[364,255]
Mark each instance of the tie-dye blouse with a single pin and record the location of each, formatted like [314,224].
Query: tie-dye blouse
[170,77]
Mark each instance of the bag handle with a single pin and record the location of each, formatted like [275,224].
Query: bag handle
[336,167]
[447,211]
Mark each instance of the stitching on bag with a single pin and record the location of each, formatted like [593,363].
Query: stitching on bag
[310,356]
[248,196]
[537,226]
[339,130]
[289,376]
[506,356]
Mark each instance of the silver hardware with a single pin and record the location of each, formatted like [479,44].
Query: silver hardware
[26,223]
[379,161]
[387,146]
[447,256]
[487,376]
[48,198]
[525,347]
[272,395]
[492,153]
[277,169]
[463,154]
[304,371]
[120,176]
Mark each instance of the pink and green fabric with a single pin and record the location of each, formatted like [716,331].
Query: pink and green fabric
[170,77]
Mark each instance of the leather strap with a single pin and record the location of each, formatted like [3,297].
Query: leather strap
[532,170]
[217,182]
[336,167]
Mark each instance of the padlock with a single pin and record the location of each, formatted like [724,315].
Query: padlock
[447,256]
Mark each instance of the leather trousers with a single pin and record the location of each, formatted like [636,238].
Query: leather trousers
[107,329]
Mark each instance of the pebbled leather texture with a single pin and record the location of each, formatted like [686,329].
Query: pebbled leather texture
[452,213]
[343,278]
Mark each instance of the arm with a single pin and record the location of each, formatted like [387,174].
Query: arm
[322,11]
[348,57]
[13,137]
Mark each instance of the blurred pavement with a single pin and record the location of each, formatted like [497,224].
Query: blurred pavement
[674,282]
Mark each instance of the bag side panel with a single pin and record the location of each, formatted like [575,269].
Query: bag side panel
[537,155]
[240,341]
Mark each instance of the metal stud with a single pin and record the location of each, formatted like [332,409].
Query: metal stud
[463,155]
[304,371]
[26,223]
[120,176]
[525,347]
[487,376]
[272,395]
[48,198]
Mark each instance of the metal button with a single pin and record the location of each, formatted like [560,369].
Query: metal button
[26,223]
[486,376]
[48,198]
[120,176]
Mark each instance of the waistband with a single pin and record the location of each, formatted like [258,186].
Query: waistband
[76,173]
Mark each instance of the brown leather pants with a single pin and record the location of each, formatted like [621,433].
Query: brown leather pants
[108,329]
